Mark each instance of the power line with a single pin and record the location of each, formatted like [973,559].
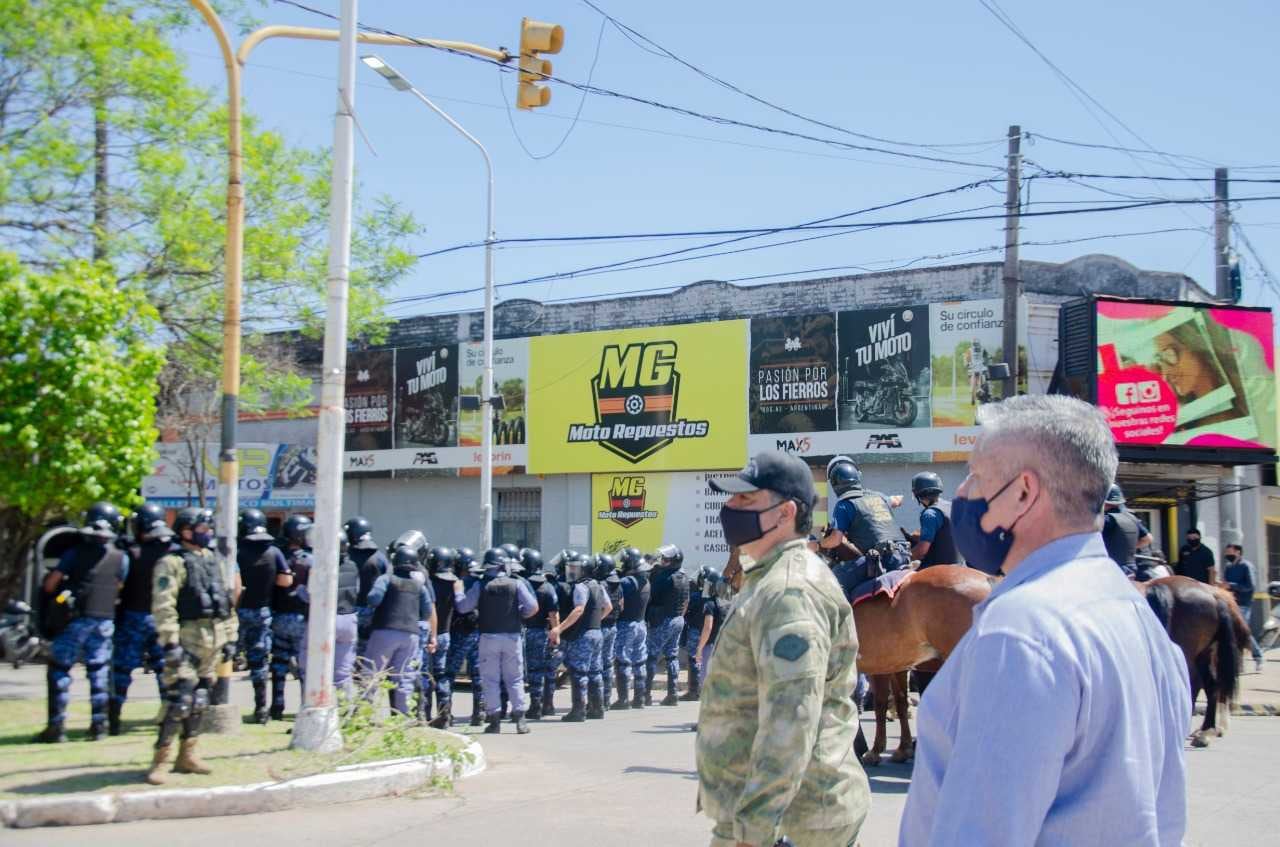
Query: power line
[1197,161]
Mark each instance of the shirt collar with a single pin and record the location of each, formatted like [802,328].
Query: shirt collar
[773,555]
[1059,551]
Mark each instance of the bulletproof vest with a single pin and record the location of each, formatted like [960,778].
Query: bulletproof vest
[872,521]
[444,603]
[400,605]
[564,599]
[499,606]
[136,594]
[286,600]
[592,612]
[258,560]
[638,603]
[664,596]
[680,584]
[371,564]
[348,585]
[943,550]
[614,590]
[94,579]
[203,596]
[717,618]
[548,602]
[693,615]
[1120,534]
[464,625]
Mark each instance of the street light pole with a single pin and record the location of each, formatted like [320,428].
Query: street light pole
[398,82]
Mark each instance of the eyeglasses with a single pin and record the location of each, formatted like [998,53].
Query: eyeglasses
[1168,355]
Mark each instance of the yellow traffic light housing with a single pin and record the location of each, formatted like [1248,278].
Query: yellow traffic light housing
[536,38]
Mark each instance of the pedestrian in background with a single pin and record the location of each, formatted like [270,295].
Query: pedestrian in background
[1196,560]
[1241,577]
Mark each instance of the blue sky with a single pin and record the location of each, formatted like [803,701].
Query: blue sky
[1188,78]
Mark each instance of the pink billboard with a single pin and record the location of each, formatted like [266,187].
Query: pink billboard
[1187,375]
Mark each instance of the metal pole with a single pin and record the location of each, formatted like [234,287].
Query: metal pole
[228,463]
[1012,282]
[1221,235]
[317,724]
[486,387]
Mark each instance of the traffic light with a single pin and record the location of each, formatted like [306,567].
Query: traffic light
[1234,277]
[536,38]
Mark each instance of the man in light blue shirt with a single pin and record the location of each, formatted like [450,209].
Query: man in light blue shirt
[1060,716]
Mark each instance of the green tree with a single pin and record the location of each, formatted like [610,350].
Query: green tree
[78,378]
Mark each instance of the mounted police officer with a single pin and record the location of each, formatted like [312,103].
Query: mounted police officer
[371,563]
[464,636]
[665,618]
[263,569]
[580,631]
[289,611]
[503,602]
[934,543]
[863,518]
[440,565]
[607,575]
[135,642]
[537,648]
[80,603]
[1122,532]
[630,652]
[401,602]
[190,599]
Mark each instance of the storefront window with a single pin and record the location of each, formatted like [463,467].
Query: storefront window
[517,517]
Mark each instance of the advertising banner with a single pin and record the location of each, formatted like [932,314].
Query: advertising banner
[510,382]
[653,398]
[426,412]
[272,475]
[964,338]
[368,400]
[793,374]
[884,368]
[1179,374]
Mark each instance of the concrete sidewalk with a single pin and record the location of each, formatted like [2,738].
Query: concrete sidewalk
[1259,691]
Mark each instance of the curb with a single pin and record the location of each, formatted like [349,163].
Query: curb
[345,784]
[1252,710]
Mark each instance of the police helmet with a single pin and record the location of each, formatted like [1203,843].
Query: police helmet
[532,561]
[700,581]
[405,559]
[297,529]
[669,555]
[190,518]
[102,521]
[412,539]
[253,526]
[633,561]
[844,477]
[440,559]
[512,551]
[605,566]
[1273,589]
[464,561]
[925,483]
[714,585]
[495,558]
[1115,496]
[148,523]
[577,566]
[359,532]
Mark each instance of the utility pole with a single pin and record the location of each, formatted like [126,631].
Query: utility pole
[317,724]
[1011,280]
[1221,236]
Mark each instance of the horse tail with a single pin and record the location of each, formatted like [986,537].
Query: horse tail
[1160,599]
[1228,650]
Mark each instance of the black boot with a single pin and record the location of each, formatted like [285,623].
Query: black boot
[495,724]
[648,687]
[637,699]
[423,707]
[694,689]
[97,731]
[476,718]
[535,705]
[444,719]
[673,695]
[52,734]
[113,716]
[620,682]
[549,697]
[277,699]
[578,713]
[521,727]
[260,714]
[595,701]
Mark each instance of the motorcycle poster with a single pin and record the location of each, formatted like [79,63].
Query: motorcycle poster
[370,379]
[884,368]
[427,396]
[793,376]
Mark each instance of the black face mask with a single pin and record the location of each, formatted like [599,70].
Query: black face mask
[1230,558]
[742,526]
[1193,542]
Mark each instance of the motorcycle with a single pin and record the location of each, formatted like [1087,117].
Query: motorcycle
[1271,629]
[19,643]
[889,400]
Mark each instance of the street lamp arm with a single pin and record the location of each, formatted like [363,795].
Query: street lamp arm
[488,163]
[315,34]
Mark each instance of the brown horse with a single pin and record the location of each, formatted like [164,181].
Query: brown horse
[1206,624]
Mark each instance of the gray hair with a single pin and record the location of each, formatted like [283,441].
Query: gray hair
[1065,441]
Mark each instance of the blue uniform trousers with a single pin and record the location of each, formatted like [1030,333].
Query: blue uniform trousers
[608,637]
[344,651]
[432,675]
[255,640]
[664,641]
[630,651]
[537,660]
[85,640]
[692,635]
[502,669]
[133,646]
[394,651]
[288,635]
[364,621]
[464,648]
[582,656]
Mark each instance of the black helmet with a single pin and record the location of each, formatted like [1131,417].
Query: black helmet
[925,482]
[496,558]
[714,584]
[148,523]
[297,528]
[190,518]
[512,551]
[844,476]
[704,572]
[605,566]
[102,521]
[669,555]
[412,539]
[576,566]
[632,560]
[253,525]
[466,557]
[1115,496]
[405,559]
[440,563]
[359,532]
[532,560]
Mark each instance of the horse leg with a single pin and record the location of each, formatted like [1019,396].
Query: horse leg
[1206,678]
[880,692]
[906,744]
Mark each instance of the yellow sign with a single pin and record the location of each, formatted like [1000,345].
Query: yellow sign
[654,398]
[629,510]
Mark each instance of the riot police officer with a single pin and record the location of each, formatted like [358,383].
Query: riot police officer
[289,612]
[1122,533]
[346,629]
[135,642]
[371,563]
[464,637]
[537,647]
[580,631]
[263,569]
[934,543]
[630,650]
[862,517]
[667,604]
[401,602]
[440,568]
[190,597]
[693,621]
[607,575]
[80,593]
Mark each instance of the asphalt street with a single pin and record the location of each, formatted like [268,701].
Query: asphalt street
[630,780]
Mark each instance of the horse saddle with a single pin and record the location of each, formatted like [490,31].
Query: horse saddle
[886,583]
